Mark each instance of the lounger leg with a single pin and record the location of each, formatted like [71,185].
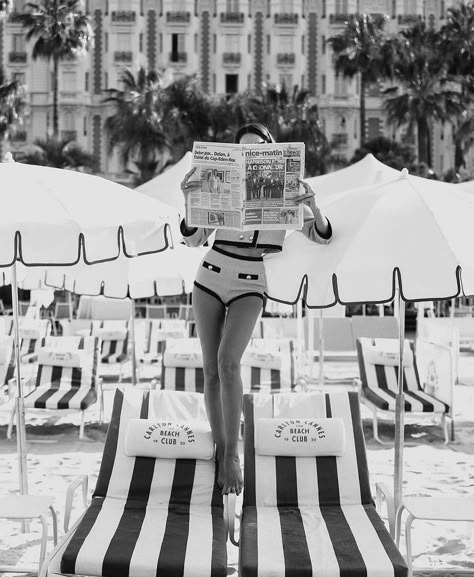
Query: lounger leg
[44,539]
[408,524]
[376,430]
[55,525]
[81,426]
[398,524]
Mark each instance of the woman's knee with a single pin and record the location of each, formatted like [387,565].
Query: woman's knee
[211,374]
[229,366]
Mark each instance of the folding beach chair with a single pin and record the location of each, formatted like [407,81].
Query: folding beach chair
[307,506]
[378,365]
[66,378]
[181,367]
[269,365]
[31,332]
[114,338]
[156,333]
[156,508]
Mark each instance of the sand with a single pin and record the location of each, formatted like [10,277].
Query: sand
[56,456]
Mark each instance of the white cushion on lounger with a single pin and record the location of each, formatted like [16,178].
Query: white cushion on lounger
[261,358]
[388,356]
[318,437]
[29,333]
[111,334]
[58,358]
[163,439]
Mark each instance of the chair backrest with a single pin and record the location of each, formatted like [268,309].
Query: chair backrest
[158,330]
[152,481]
[299,481]
[182,365]
[63,310]
[7,359]
[374,327]
[269,365]
[114,337]
[378,366]
[155,311]
[82,374]
[31,332]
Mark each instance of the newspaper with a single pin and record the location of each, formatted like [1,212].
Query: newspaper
[246,186]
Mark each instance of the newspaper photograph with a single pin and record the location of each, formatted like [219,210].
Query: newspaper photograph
[246,186]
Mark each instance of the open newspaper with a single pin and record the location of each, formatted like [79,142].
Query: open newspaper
[246,186]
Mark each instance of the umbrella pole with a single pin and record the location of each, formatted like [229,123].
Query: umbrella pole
[399,409]
[310,317]
[300,347]
[19,399]
[321,347]
[132,342]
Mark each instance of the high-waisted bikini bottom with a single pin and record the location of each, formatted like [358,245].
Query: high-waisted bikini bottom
[229,277]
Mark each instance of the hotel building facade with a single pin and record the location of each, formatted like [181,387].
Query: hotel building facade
[232,45]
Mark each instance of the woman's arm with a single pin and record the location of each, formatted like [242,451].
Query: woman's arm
[316,226]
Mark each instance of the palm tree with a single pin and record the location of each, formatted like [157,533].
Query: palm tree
[12,106]
[136,128]
[59,30]
[4,8]
[427,96]
[360,50]
[61,153]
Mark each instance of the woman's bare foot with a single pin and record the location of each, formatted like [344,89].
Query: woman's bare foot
[232,475]
[220,467]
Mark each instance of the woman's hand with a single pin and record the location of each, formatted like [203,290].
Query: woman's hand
[308,197]
[187,185]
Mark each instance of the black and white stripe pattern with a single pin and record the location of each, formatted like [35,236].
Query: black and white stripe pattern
[274,380]
[7,367]
[31,333]
[113,350]
[182,366]
[380,382]
[59,387]
[151,516]
[312,516]
[158,330]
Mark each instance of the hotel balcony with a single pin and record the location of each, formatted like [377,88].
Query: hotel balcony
[339,140]
[286,59]
[338,19]
[179,17]
[286,18]
[231,58]
[408,19]
[232,17]
[178,57]
[17,57]
[124,16]
[123,56]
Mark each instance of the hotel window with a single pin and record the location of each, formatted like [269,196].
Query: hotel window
[323,84]
[86,81]
[69,82]
[177,45]
[269,45]
[323,44]
[233,6]
[231,83]
[196,43]
[18,43]
[124,42]
[286,6]
[84,125]
[214,82]
[340,86]
[302,44]
[341,7]
[106,42]
[140,42]
[214,43]
[232,43]
[373,128]
[161,43]
[302,81]
[19,77]
[69,122]
[249,44]
[323,11]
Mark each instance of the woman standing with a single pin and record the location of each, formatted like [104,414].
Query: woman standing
[227,301]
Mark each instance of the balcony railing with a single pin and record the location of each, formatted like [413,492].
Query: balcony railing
[127,16]
[408,19]
[17,57]
[231,58]
[286,18]
[338,18]
[339,140]
[285,58]
[179,17]
[69,135]
[123,56]
[232,17]
[68,94]
[178,57]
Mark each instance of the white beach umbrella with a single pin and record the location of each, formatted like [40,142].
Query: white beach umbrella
[468,186]
[411,232]
[55,217]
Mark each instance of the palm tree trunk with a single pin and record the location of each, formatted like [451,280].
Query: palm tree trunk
[363,84]
[424,152]
[55,97]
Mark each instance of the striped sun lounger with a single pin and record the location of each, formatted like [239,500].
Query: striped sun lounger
[114,337]
[66,377]
[310,515]
[269,365]
[181,368]
[31,332]
[7,362]
[157,332]
[378,366]
[149,516]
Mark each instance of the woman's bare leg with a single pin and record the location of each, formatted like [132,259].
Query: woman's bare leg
[209,314]
[239,324]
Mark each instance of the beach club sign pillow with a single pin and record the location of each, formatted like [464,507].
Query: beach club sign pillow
[319,437]
[165,439]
